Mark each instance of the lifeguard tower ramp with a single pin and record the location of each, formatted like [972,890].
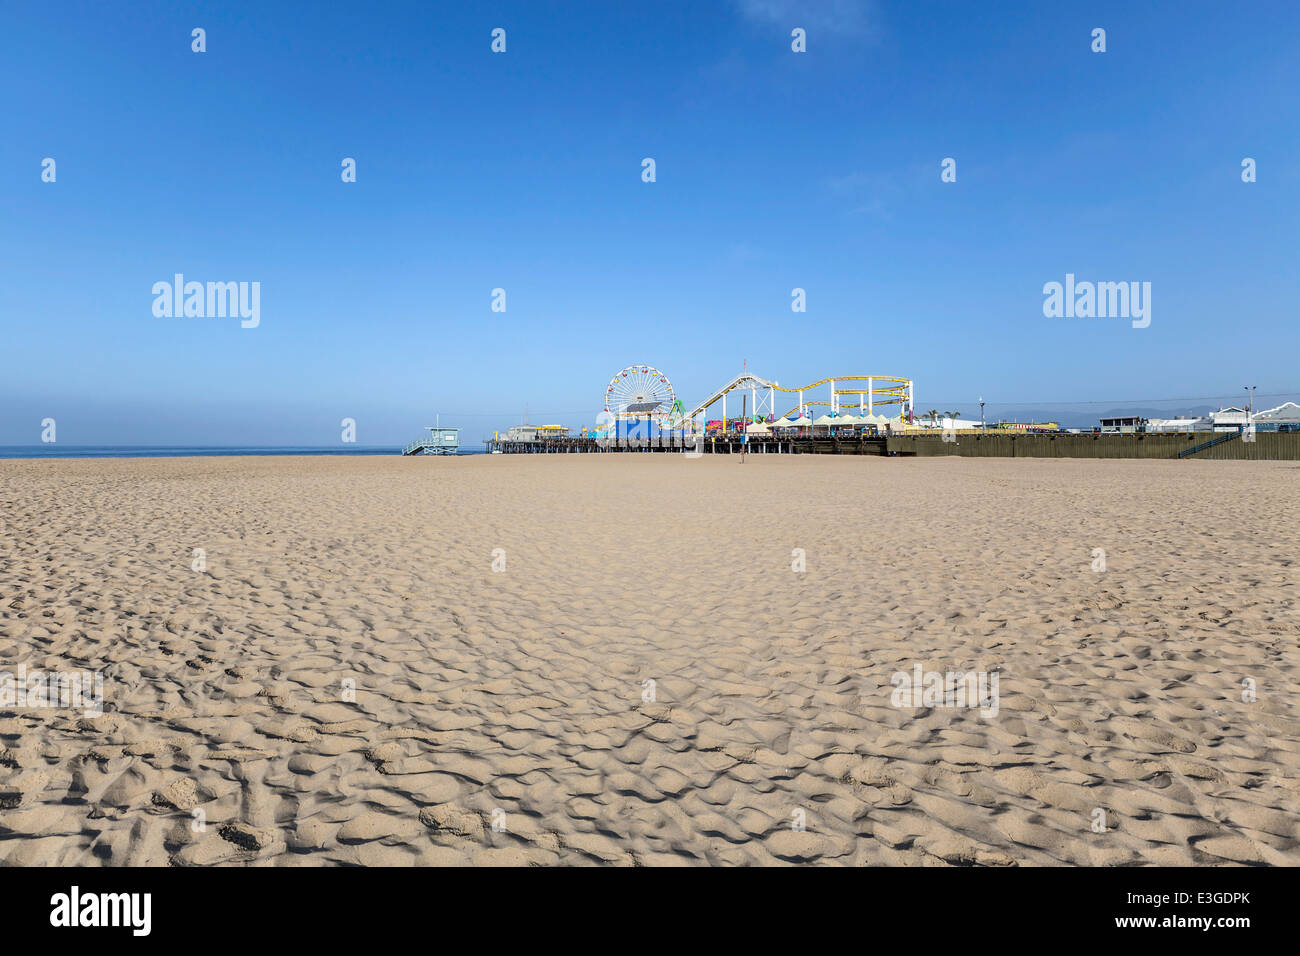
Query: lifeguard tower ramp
[439,441]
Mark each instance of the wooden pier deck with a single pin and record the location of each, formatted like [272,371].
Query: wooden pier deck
[1273,446]
[711,445]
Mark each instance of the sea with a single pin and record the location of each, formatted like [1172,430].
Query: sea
[56,450]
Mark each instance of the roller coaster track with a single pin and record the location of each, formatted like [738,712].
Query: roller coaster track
[743,380]
[898,383]
[893,392]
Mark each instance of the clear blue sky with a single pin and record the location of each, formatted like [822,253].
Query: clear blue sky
[522,170]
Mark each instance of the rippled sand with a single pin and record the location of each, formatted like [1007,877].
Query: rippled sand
[647,681]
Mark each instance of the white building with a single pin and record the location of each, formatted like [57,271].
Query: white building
[1182,423]
[1285,417]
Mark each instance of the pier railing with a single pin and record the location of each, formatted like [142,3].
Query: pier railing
[1267,446]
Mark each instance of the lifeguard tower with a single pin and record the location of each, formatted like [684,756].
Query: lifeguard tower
[439,441]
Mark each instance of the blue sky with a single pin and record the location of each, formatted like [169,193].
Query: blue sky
[522,170]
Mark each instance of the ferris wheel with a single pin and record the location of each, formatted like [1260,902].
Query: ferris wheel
[641,392]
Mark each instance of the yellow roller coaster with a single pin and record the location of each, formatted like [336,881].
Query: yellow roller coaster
[877,390]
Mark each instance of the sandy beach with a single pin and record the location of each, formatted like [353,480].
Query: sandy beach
[648,660]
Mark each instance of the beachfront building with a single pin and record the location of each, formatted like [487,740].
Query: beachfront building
[941,423]
[1125,425]
[518,433]
[1283,418]
[1027,427]
[1229,419]
[533,433]
[1183,423]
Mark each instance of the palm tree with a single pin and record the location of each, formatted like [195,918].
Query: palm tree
[933,415]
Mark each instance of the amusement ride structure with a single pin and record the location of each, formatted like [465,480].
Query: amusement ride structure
[642,393]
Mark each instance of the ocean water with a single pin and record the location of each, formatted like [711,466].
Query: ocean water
[56,450]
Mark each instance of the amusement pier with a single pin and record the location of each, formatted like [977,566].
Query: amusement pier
[865,415]
[642,413]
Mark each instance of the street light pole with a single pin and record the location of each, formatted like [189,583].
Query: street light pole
[981,413]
